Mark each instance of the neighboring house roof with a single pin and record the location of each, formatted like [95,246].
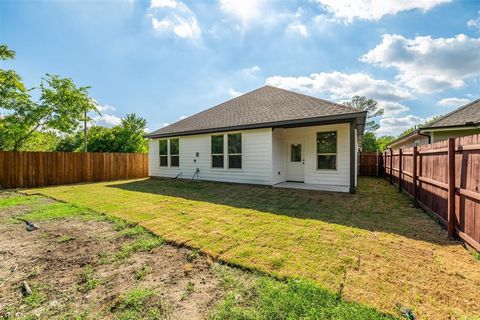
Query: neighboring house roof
[412,135]
[467,115]
[264,107]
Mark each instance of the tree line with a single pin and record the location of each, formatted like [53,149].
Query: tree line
[57,120]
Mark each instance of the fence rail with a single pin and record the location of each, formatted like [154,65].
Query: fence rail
[444,179]
[39,169]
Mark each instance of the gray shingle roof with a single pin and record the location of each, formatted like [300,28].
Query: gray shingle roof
[467,115]
[264,106]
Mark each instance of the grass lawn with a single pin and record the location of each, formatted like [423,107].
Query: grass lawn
[371,247]
[128,273]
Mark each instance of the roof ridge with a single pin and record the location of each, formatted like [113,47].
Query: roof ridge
[312,97]
[453,112]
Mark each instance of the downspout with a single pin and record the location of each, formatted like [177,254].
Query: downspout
[425,135]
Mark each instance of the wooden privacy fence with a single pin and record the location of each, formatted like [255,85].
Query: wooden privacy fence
[39,169]
[444,179]
[370,164]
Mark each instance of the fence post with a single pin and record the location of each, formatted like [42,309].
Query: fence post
[451,187]
[415,177]
[391,166]
[400,161]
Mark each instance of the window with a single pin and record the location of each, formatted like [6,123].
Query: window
[326,151]
[174,153]
[235,151]
[217,151]
[163,151]
[295,153]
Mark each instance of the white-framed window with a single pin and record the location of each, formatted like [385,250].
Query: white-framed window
[163,152]
[174,152]
[169,152]
[226,151]
[327,150]
[217,151]
[234,150]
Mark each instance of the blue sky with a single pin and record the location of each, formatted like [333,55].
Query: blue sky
[167,59]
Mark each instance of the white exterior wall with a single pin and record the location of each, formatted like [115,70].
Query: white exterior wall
[339,179]
[256,158]
[264,157]
[279,154]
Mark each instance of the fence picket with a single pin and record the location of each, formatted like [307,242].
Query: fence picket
[40,169]
[445,182]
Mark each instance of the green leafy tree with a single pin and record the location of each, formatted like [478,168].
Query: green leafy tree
[383,142]
[125,137]
[369,105]
[41,141]
[61,107]
[369,142]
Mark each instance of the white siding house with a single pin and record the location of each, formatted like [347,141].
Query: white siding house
[318,152]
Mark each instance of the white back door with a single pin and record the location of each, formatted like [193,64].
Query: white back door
[296,161]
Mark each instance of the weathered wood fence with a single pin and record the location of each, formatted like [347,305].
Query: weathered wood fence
[370,164]
[444,179]
[39,169]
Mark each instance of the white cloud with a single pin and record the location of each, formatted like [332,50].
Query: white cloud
[105,108]
[163,4]
[392,108]
[341,86]
[177,19]
[474,23]
[349,10]
[298,29]
[107,120]
[182,117]
[428,65]
[250,71]
[452,102]
[244,11]
[234,93]
[395,125]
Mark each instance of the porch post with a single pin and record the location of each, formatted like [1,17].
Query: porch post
[353,153]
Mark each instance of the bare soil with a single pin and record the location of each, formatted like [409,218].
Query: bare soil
[54,258]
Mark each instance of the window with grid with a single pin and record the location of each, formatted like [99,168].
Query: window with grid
[163,152]
[217,151]
[326,151]
[174,153]
[235,151]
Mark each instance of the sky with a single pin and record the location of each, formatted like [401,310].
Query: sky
[168,59]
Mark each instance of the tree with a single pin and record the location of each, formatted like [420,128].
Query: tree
[383,142]
[61,107]
[125,137]
[41,141]
[369,142]
[369,105]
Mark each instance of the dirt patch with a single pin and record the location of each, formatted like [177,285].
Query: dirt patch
[73,267]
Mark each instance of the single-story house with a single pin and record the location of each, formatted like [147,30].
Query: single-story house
[269,136]
[464,121]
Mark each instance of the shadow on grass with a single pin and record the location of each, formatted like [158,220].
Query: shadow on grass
[376,206]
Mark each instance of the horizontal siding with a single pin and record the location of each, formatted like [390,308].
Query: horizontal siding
[256,158]
[339,177]
[279,153]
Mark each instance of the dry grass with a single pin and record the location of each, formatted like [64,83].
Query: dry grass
[383,252]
